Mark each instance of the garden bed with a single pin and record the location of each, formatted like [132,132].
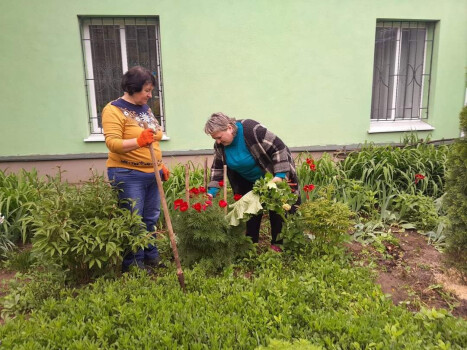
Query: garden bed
[413,274]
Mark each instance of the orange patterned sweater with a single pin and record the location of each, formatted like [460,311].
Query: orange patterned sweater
[122,120]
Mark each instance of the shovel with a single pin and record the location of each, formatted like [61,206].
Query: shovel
[165,208]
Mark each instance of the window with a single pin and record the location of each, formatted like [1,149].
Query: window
[111,46]
[402,71]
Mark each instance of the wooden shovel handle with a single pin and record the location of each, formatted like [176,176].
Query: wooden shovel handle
[165,208]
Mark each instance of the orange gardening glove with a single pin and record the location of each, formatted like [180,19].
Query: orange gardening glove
[145,138]
[165,173]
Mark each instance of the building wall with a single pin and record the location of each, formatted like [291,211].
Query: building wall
[301,67]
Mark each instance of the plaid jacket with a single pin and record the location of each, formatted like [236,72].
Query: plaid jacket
[268,150]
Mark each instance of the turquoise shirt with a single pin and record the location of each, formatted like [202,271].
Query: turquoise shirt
[239,159]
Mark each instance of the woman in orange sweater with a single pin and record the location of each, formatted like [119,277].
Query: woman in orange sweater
[129,164]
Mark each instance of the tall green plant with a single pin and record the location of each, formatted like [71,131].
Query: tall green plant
[396,167]
[18,193]
[456,198]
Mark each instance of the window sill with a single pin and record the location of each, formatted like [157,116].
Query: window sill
[101,138]
[398,126]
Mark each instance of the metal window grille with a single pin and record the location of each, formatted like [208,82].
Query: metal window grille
[402,70]
[112,45]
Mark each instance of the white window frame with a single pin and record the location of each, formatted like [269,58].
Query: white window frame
[96,132]
[396,125]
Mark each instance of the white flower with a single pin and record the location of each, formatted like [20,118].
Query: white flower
[271,184]
[2,218]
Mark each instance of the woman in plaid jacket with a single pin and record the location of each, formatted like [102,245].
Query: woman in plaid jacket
[250,151]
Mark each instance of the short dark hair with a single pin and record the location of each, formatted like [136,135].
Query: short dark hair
[136,77]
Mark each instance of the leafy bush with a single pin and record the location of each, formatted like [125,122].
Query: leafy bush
[325,220]
[204,234]
[456,199]
[84,230]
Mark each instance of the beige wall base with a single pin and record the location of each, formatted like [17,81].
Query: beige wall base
[78,170]
[75,171]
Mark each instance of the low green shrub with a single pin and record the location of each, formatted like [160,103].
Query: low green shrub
[20,260]
[28,291]
[326,301]
[301,344]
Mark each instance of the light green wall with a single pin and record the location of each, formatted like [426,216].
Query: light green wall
[302,68]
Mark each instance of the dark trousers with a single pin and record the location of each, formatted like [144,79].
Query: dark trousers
[253,225]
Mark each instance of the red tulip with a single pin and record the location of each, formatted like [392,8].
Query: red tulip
[222,203]
[237,196]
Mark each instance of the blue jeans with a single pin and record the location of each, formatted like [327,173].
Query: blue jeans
[141,188]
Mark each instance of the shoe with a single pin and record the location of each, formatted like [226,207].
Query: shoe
[132,267]
[154,263]
[276,248]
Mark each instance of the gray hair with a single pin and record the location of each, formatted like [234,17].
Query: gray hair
[219,122]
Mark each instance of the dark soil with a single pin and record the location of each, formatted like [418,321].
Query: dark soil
[413,273]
